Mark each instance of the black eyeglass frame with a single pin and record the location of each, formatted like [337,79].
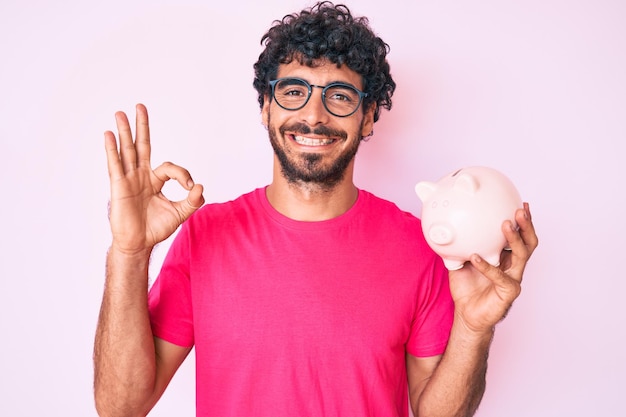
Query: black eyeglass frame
[324,88]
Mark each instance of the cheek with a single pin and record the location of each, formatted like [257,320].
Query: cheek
[272,117]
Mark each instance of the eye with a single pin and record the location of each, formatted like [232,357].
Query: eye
[293,91]
[292,88]
[342,94]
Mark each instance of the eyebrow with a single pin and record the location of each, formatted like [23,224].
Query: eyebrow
[317,85]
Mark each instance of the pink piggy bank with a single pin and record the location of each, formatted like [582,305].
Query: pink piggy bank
[463,212]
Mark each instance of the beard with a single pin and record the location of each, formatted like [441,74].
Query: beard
[309,167]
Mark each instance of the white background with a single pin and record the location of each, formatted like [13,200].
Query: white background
[535,88]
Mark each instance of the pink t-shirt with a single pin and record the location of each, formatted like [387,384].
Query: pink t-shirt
[294,318]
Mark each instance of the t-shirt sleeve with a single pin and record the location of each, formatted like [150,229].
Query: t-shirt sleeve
[169,299]
[434,311]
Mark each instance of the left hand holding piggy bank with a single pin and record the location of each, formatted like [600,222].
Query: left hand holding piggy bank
[472,215]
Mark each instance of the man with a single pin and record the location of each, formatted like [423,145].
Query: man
[308,296]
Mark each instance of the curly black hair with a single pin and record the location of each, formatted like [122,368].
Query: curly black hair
[327,31]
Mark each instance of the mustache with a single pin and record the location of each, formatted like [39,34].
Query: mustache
[303,129]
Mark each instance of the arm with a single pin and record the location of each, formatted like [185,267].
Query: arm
[131,367]
[454,385]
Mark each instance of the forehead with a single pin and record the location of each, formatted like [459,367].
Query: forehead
[322,73]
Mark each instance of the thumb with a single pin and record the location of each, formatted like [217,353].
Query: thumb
[507,288]
[193,202]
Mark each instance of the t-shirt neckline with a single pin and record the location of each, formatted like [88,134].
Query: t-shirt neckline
[276,216]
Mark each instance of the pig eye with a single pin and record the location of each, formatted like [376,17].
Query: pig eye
[454,175]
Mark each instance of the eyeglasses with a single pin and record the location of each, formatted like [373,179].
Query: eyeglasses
[339,99]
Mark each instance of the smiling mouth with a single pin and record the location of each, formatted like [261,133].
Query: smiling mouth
[303,140]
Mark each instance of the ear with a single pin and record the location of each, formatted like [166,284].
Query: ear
[265,111]
[368,121]
[425,189]
[467,183]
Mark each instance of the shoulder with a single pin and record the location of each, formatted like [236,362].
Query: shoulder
[392,222]
[213,219]
[399,227]
[387,211]
[226,209]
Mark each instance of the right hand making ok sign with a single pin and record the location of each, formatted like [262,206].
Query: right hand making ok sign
[140,215]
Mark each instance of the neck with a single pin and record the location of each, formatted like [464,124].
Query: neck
[311,202]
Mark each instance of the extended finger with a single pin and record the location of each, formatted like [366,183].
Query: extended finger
[128,155]
[114,164]
[142,142]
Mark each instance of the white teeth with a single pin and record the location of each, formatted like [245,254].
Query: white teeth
[302,140]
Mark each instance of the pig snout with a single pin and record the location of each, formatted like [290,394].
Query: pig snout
[441,234]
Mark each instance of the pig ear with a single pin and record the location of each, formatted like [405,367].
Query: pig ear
[466,182]
[425,189]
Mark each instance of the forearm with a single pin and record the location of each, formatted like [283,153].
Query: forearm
[458,383]
[124,354]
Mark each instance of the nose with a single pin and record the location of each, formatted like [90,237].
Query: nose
[314,112]
[441,234]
